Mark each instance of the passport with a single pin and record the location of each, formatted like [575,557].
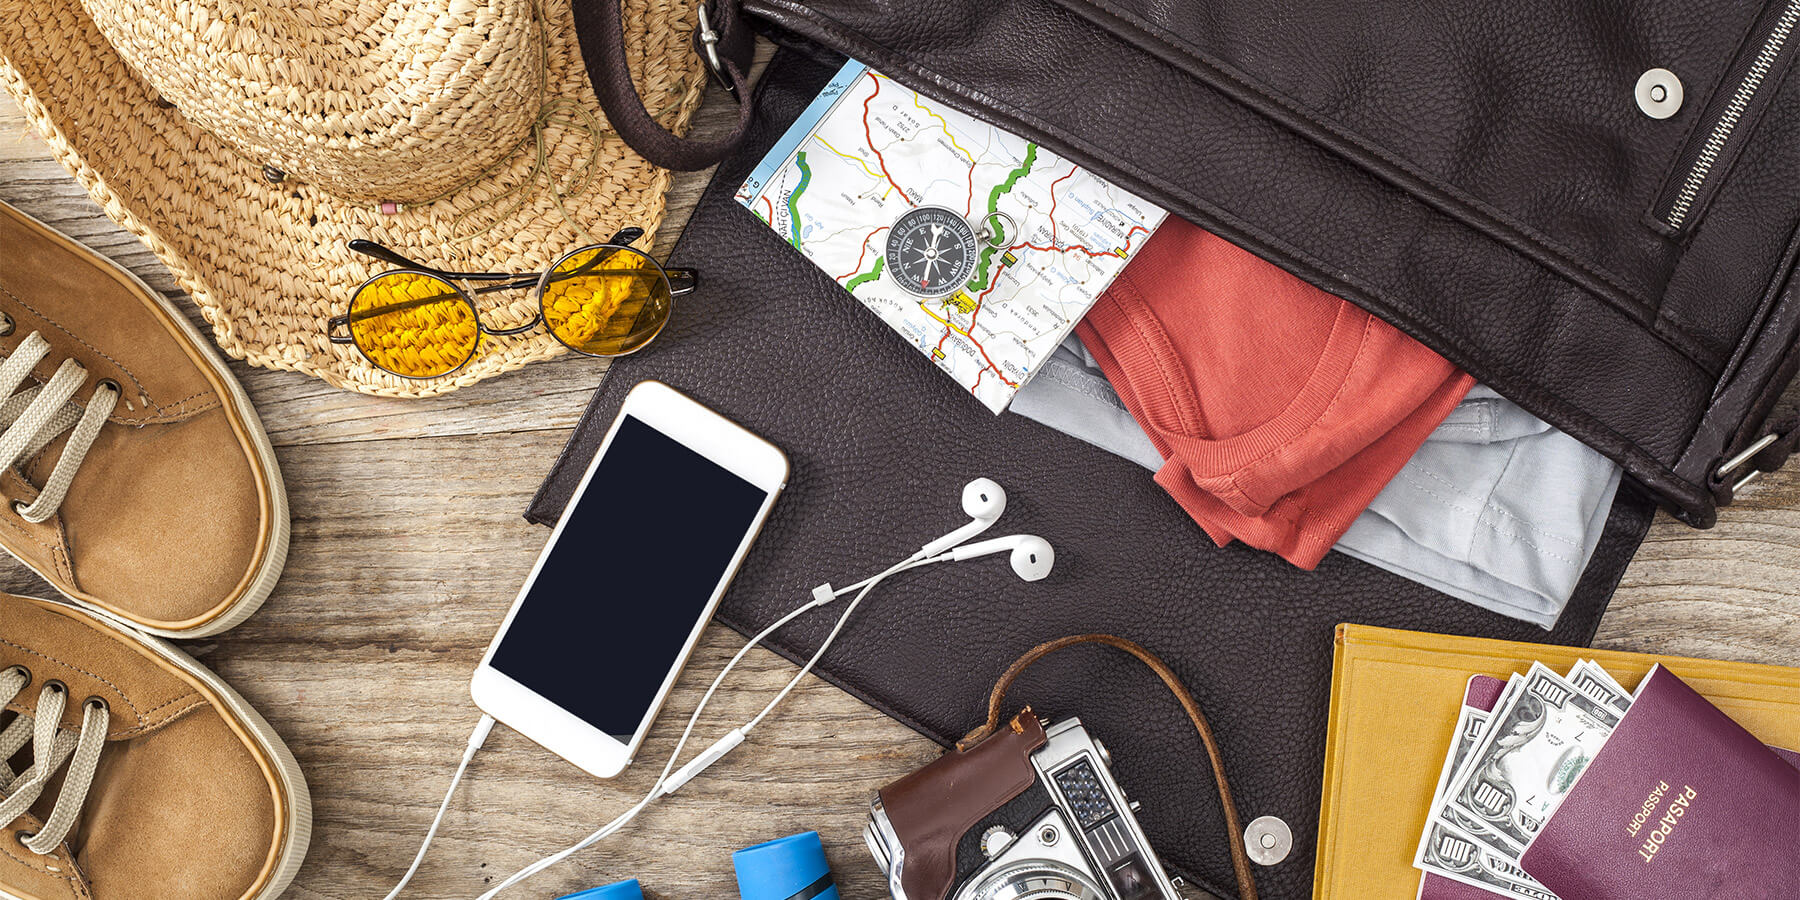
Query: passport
[1395,697]
[1681,802]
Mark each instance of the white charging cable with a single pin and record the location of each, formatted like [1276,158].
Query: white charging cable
[665,784]
[476,739]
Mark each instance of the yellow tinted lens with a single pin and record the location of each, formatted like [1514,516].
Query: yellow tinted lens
[413,324]
[606,301]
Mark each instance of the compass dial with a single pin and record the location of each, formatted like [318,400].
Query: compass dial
[931,251]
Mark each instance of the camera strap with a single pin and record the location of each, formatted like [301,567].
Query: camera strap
[1240,861]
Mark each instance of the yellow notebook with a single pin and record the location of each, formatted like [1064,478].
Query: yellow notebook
[1394,701]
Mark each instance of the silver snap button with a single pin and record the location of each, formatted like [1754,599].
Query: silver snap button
[1659,93]
[1268,841]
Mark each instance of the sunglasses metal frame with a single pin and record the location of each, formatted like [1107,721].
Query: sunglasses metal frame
[678,282]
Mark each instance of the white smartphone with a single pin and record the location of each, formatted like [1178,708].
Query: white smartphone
[633,571]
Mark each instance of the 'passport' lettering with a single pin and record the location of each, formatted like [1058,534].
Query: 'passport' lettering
[1665,826]
[1649,809]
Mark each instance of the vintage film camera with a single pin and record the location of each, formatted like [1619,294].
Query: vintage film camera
[1030,813]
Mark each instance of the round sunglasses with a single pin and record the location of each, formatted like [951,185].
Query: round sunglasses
[605,300]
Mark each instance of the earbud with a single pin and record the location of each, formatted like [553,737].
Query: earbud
[1032,556]
[983,500]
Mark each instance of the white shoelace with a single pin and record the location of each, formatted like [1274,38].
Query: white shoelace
[51,746]
[32,417]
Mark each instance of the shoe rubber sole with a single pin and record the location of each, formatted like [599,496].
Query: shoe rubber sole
[275,555]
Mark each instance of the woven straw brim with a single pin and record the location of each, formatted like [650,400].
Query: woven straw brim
[268,263]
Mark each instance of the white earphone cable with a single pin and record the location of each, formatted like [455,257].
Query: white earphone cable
[476,738]
[822,598]
[831,636]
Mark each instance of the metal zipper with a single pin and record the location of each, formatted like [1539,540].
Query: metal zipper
[1718,138]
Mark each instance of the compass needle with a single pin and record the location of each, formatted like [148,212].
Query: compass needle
[931,251]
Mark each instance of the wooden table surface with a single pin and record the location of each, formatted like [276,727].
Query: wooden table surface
[408,547]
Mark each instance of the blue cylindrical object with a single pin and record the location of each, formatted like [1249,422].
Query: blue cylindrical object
[789,868]
[618,890]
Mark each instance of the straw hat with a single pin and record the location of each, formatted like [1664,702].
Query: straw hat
[246,141]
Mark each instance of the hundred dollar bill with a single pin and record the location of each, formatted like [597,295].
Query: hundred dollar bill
[1454,855]
[1589,678]
[1529,757]
[1593,666]
[1601,671]
[1460,847]
[1471,726]
[1457,846]
[1617,686]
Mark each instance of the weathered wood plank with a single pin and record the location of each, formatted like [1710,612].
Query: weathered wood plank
[1730,592]
[408,547]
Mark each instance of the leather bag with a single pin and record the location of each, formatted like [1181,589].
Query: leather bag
[881,444]
[1482,176]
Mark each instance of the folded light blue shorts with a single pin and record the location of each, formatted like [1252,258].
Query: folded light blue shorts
[1497,507]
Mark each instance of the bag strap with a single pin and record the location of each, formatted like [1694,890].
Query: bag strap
[1769,437]
[724,42]
[1240,860]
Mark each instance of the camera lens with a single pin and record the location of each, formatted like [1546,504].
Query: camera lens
[1040,879]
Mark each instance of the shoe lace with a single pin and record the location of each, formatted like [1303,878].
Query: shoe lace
[33,417]
[51,746]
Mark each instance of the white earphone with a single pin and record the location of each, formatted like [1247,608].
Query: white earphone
[983,500]
[1032,556]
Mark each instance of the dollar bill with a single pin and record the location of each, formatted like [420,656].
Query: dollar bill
[1591,679]
[1530,755]
[1460,847]
[1601,671]
[1454,855]
[1471,726]
[1616,685]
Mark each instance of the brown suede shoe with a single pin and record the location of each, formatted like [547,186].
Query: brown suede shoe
[163,782]
[134,475]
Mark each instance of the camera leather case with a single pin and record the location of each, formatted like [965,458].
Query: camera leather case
[1029,809]
[932,809]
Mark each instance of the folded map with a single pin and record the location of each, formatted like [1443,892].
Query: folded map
[979,247]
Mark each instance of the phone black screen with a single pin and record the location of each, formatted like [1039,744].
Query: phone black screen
[641,552]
